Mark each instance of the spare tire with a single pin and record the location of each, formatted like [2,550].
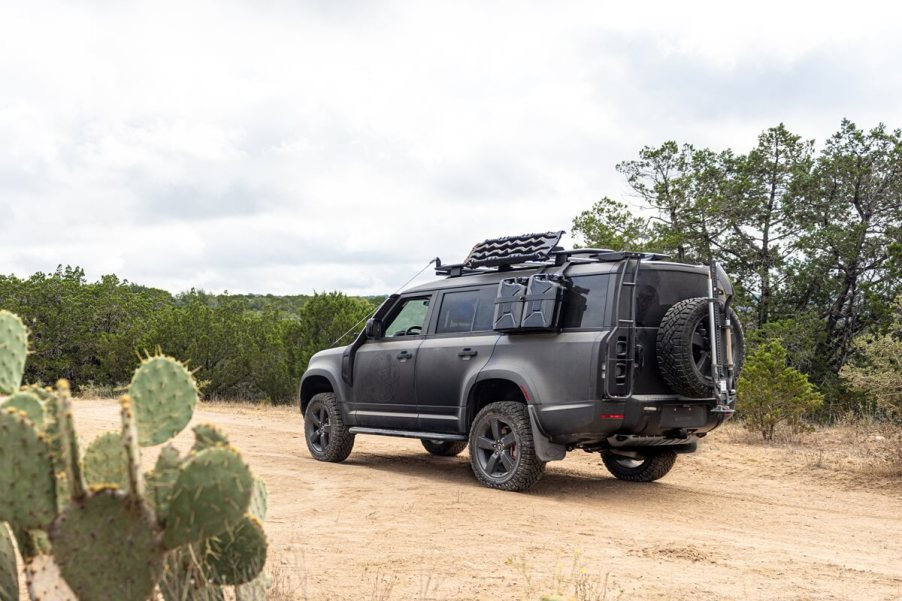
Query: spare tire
[684,348]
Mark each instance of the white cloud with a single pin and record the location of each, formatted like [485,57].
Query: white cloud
[284,147]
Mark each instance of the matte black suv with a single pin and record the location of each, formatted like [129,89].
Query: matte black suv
[526,351]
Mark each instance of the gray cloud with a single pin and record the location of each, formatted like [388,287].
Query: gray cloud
[290,146]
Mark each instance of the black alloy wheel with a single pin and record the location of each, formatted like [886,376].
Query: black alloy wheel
[502,454]
[327,437]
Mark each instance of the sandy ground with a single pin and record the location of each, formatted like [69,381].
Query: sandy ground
[733,521]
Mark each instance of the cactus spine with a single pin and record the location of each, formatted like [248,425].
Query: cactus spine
[114,533]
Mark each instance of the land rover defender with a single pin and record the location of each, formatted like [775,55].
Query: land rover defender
[526,351]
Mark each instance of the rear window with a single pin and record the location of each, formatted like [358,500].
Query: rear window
[466,311]
[585,300]
[658,290]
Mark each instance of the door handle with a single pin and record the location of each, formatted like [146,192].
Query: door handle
[404,355]
[467,353]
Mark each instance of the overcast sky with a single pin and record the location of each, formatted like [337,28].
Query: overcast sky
[283,147]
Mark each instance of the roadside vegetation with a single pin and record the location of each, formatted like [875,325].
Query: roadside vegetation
[243,346]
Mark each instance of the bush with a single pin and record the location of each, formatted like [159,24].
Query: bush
[771,393]
[876,372]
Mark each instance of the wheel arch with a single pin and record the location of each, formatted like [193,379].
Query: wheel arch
[314,383]
[492,389]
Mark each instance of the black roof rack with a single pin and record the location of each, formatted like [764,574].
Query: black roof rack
[531,250]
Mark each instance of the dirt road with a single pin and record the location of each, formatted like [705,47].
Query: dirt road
[734,521]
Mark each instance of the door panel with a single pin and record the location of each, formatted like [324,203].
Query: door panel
[460,344]
[444,367]
[384,393]
[384,384]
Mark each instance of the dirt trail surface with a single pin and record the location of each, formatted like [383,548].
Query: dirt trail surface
[733,521]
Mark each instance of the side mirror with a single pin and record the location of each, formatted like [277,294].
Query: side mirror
[373,328]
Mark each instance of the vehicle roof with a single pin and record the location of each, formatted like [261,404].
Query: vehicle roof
[573,269]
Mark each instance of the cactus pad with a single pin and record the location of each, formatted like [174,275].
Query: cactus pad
[238,555]
[164,395]
[29,404]
[27,485]
[161,480]
[259,500]
[132,450]
[107,547]
[210,495]
[105,461]
[68,441]
[44,394]
[208,435]
[13,349]
[9,573]
[45,583]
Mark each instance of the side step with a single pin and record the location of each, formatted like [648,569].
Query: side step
[406,433]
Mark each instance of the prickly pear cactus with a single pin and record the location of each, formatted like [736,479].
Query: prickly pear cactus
[161,480]
[215,480]
[13,349]
[29,404]
[105,461]
[27,485]
[9,574]
[191,525]
[164,394]
[208,435]
[237,556]
[118,529]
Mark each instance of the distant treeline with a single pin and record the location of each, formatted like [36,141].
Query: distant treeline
[243,346]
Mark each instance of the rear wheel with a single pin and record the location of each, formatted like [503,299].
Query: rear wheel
[642,468]
[444,448]
[502,453]
[327,436]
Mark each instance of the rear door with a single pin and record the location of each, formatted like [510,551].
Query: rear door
[384,368]
[459,344]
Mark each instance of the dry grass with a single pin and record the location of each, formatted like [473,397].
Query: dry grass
[860,447]
[572,580]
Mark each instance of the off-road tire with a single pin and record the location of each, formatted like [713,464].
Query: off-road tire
[338,442]
[495,423]
[653,466]
[444,448]
[675,352]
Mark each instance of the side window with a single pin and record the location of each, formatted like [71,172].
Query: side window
[467,311]
[585,301]
[409,321]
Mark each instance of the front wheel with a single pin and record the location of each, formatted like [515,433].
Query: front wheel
[444,448]
[326,434]
[646,468]
[502,453]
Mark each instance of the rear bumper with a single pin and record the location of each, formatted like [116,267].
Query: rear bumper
[594,421]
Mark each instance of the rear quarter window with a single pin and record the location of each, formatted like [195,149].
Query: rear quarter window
[585,301]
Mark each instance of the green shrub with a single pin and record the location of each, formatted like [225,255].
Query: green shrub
[876,371]
[771,393]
